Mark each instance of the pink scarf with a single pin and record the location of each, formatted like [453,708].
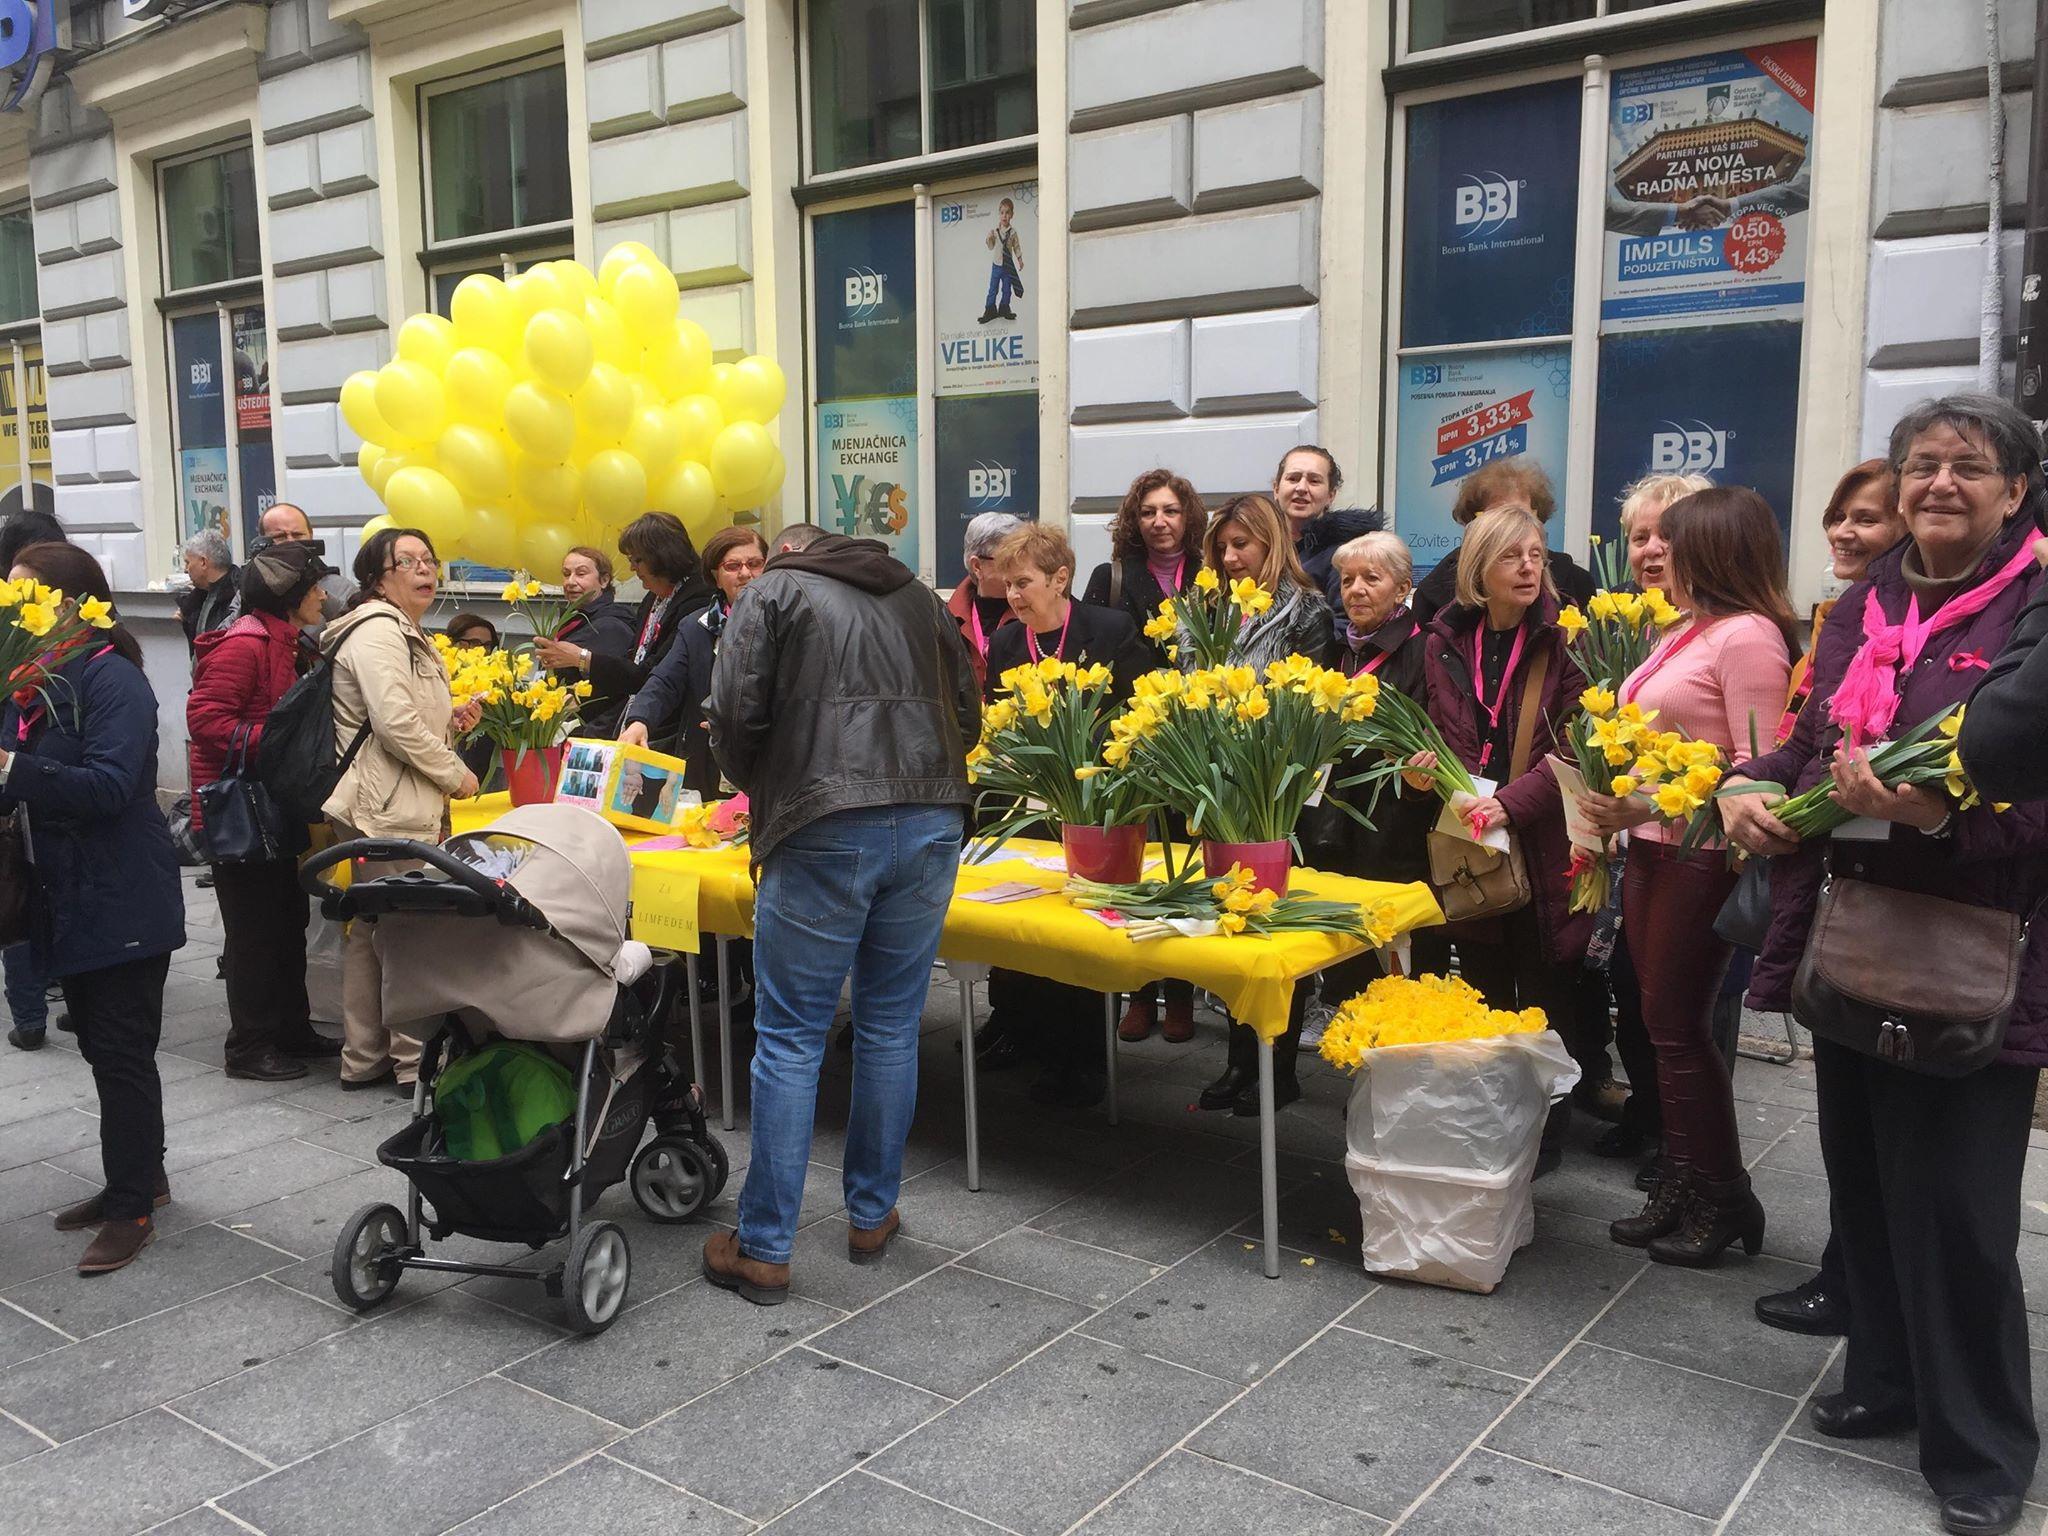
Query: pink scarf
[1867,701]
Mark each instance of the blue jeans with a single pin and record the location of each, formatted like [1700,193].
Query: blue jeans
[26,986]
[862,892]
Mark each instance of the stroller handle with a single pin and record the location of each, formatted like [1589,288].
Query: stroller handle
[511,906]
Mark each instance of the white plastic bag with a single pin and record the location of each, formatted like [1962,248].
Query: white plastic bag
[1443,1142]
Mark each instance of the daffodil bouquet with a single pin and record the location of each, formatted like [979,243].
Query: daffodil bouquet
[1202,624]
[1398,730]
[1603,741]
[1679,777]
[1036,761]
[545,613]
[1193,905]
[1421,1010]
[1236,755]
[1616,631]
[41,629]
[524,707]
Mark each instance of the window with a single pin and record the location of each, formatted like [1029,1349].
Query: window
[25,476]
[494,148]
[1447,23]
[869,104]
[218,343]
[17,266]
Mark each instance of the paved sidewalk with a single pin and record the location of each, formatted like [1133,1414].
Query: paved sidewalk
[1086,1343]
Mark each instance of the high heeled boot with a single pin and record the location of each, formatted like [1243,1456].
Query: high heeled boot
[1717,1213]
[1660,1214]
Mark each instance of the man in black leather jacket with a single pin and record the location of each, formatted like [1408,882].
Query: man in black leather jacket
[2007,718]
[843,703]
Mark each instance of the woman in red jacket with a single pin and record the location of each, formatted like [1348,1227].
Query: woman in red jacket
[241,672]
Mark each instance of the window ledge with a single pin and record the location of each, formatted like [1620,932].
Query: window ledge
[202,56]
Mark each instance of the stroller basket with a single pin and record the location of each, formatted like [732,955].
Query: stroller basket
[523,1198]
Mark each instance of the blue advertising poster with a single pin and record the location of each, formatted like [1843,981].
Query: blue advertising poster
[1710,174]
[865,296]
[1721,402]
[1464,410]
[201,407]
[987,462]
[867,472]
[1491,216]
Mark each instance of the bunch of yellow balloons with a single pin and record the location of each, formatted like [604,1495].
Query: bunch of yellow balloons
[554,409]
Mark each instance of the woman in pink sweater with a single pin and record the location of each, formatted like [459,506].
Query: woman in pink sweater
[1720,677]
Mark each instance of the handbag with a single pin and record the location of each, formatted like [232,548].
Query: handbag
[16,874]
[1937,1005]
[1745,917]
[238,820]
[1474,881]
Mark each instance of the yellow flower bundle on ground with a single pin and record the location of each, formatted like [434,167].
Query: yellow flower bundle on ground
[1423,1010]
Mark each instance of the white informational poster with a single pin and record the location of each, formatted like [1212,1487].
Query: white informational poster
[984,285]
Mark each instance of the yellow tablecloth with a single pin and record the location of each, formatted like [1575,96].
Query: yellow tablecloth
[1048,936]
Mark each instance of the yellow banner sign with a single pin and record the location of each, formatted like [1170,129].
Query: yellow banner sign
[665,908]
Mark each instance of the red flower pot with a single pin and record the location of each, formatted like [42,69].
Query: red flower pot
[1268,862]
[1107,855]
[530,775]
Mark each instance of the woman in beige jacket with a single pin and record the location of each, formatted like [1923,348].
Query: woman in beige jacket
[391,689]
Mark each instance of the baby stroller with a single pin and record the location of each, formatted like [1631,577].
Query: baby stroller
[518,932]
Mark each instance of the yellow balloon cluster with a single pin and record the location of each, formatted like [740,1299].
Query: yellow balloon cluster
[553,409]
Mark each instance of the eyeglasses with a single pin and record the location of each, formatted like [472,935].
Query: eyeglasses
[755,566]
[1968,471]
[414,563]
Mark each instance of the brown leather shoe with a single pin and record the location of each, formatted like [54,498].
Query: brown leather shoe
[1180,1022]
[765,1285]
[115,1245]
[90,1213]
[867,1247]
[1138,1020]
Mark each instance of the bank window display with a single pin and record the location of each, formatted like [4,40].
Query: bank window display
[218,343]
[895,79]
[960,417]
[25,476]
[1447,23]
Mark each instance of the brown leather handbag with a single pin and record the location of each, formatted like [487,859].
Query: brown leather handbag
[1472,881]
[1937,1003]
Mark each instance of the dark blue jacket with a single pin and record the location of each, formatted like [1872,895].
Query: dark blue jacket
[106,881]
[671,705]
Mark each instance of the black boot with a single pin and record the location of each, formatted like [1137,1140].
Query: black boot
[1809,1308]
[1716,1214]
[1286,1089]
[1224,1092]
[1661,1214]
[1981,1514]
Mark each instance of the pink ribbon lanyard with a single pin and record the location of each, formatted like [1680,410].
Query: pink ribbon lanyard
[1059,651]
[1507,680]
[974,629]
[1381,660]
[1661,657]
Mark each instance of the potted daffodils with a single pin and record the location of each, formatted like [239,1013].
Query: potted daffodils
[526,713]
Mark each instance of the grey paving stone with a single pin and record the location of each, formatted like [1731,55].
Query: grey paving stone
[88,1385]
[1161,1210]
[2033,1256]
[820,1270]
[37,1187]
[951,1331]
[203,1521]
[1706,1321]
[943,1210]
[1683,1439]
[860,1505]
[1580,1231]
[602,1492]
[1797,1221]
[218,1133]
[1318,1214]
[31,1248]
[216,1190]
[1807,1491]
[1759,1082]
[1039,1448]
[294,1404]
[172,1270]
[23,1098]
[1407,1415]
[372,1124]
[23,1337]
[1192,1493]
[51,1135]
[1498,1496]
[1552,1289]
[305,1221]
[1090,1276]
[1799,1150]
[490,1440]
[1216,1311]
[1598,1187]
[16,1442]
[827,1416]
[668,1352]
[128,1476]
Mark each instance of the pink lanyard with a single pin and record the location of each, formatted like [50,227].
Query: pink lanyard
[974,629]
[1413,630]
[1660,657]
[1059,651]
[26,722]
[1507,678]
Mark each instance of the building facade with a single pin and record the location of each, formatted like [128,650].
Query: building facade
[1010,253]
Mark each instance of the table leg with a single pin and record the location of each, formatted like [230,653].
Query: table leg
[1269,1160]
[724,1034]
[968,1087]
[1109,1000]
[696,1020]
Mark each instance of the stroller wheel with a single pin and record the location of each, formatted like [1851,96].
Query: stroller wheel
[365,1269]
[672,1179]
[595,1277]
[720,1166]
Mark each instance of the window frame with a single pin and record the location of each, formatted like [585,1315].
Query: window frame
[1607,27]
[965,160]
[511,249]
[167,293]
[16,337]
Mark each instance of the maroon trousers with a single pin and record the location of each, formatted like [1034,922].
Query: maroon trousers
[1669,900]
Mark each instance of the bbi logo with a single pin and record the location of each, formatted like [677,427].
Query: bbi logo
[1692,449]
[864,292]
[1484,204]
[951,213]
[988,484]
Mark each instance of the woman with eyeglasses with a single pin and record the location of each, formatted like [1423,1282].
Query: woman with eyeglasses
[733,557]
[395,725]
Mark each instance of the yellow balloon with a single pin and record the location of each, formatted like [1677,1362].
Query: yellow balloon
[541,421]
[627,253]
[765,492]
[477,461]
[576,281]
[614,487]
[492,537]
[756,388]
[609,337]
[476,380]
[701,421]
[558,348]
[646,296]
[486,314]
[359,409]
[411,399]
[375,524]
[541,287]
[604,405]
[688,493]
[553,491]
[542,545]
[369,458]
[427,500]
[740,460]
[654,437]
[427,340]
